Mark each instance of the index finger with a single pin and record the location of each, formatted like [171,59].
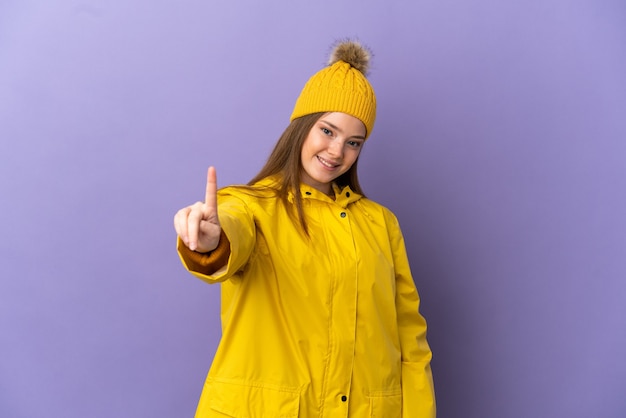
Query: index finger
[210,198]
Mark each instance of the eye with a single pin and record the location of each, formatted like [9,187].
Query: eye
[326,131]
[355,144]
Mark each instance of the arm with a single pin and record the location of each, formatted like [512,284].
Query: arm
[418,397]
[214,241]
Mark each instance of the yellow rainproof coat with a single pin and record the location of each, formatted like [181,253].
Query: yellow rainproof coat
[326,326]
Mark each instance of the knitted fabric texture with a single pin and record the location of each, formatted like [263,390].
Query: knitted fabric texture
[338,88]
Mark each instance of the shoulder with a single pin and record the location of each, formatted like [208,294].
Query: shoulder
[380,212]
[374,206]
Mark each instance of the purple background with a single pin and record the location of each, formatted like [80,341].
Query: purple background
[500,144]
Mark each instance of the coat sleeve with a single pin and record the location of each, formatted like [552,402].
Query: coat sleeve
[418,396]
[205,263]
[236,243]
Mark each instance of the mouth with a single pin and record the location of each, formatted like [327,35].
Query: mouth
[326,163]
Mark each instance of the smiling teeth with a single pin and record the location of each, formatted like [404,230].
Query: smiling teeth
[326,163]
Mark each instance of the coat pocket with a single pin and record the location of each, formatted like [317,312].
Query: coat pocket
[387,404]
[243,400]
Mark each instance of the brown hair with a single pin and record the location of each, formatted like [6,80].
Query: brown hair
[285,160]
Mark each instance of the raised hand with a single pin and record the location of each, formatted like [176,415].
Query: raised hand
[198,225]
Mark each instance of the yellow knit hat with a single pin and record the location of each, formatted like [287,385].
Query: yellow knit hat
[341,87]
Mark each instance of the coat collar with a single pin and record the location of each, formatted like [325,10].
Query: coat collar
[343,196]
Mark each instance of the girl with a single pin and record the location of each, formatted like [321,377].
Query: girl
[319,309]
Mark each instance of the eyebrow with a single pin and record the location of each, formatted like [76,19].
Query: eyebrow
[339,130]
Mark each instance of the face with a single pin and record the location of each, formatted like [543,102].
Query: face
[330,149]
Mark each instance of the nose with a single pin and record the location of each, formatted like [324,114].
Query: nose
[335,148]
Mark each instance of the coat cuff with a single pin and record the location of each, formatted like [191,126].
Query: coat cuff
[206,263]
[418,393]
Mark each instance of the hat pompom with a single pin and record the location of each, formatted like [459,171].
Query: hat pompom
[353,53]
